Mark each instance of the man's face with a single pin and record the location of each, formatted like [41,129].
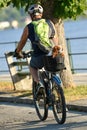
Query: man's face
[35,17]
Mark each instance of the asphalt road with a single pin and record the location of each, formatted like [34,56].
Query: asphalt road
[23,117]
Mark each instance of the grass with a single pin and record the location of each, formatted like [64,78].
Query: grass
[79,92]
[6,85]
[71,94]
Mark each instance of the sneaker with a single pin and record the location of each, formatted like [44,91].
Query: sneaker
[39,87]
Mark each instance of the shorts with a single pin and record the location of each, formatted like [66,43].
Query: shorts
[37,62]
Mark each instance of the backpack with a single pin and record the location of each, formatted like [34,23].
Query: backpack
[44,31]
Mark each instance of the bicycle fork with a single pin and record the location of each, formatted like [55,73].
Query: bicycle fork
[57,79]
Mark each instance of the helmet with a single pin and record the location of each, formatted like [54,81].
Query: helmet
[35,9]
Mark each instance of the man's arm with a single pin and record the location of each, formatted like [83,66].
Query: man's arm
[23,40]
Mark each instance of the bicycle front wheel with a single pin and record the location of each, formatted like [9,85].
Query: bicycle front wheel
[59,105]
[40,103]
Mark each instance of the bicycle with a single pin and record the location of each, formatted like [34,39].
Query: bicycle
[51,94]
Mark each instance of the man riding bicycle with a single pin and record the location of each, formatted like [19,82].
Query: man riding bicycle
[36,62]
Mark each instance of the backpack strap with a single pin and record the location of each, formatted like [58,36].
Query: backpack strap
[51,30]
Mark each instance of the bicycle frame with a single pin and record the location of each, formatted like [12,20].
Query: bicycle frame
[57,79]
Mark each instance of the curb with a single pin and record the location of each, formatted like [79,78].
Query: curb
[16,100]
[77,108]
[30,102]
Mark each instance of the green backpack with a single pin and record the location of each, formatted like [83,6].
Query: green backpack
[44,31]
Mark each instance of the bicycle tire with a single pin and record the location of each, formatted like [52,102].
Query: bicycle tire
[59,104]
[40,103]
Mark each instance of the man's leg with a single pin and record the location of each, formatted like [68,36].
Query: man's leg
[34,73]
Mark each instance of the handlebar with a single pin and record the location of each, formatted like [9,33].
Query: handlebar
[27,54]
[23,54]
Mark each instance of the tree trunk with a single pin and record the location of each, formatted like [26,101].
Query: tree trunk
[66,75]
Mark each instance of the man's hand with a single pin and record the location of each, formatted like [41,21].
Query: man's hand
[18,55]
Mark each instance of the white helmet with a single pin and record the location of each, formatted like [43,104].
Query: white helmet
[35,9]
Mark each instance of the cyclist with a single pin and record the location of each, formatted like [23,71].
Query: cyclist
[36,13]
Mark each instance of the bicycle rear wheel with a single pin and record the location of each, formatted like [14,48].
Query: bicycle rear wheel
[59,105]
[40,103]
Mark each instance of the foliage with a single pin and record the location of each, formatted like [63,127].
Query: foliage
[61,8]
[70,8]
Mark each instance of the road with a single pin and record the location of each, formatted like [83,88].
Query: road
[23,117]
[79,78]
